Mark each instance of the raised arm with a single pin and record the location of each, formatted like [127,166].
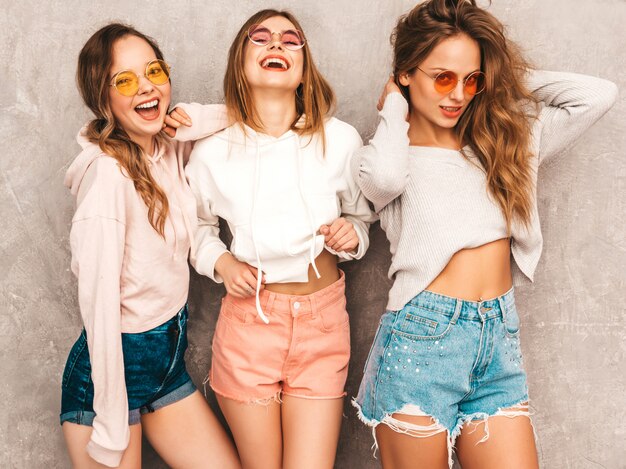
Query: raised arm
[570,104]
[381,169]
[196,121]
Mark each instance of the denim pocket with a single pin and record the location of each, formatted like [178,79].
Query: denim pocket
[419,323]
[79,347]
[511,321]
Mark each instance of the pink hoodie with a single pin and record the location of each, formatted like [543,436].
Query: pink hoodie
[130,279]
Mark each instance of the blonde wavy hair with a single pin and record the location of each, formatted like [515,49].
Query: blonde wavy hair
[314,97]
[497,123]
[93,78]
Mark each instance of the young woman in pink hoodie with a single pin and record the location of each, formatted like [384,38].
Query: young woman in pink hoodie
[130,240]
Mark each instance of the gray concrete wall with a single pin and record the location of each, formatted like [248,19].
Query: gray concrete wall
[574,328]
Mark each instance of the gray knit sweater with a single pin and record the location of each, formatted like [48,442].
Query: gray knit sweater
[434,202]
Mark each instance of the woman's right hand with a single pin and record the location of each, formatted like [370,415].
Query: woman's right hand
[390,87]
[239,278]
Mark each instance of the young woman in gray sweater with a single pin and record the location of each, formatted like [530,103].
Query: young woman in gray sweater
[452,172]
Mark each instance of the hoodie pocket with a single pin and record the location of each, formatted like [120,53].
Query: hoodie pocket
[286,232]
[320,209]
[269,240]
[324,208]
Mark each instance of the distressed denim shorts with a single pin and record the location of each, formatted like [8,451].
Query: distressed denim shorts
[154,368]
[304,351]
[451,359]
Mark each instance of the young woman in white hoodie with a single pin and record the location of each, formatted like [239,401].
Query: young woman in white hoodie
[280,178]
[130,239]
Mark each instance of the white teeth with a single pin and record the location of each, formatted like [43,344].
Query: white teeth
[147,105]
[274,60]
[450,109]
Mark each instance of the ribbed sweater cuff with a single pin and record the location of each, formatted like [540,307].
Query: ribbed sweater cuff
[205,263]
[348,256]
[395,106]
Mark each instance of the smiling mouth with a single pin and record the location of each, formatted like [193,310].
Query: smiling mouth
[149,110]
[451,109]
[274,63]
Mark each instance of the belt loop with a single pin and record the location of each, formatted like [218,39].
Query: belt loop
[457,311]
[502,307]
[179,319]
[313,303]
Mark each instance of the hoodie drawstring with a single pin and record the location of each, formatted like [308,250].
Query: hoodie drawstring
[253,217]
[308,210]
[159,160]
[259,273]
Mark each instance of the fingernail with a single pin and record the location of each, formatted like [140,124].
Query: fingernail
[188,122]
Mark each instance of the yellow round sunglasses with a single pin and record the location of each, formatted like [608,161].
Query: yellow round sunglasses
[126,82]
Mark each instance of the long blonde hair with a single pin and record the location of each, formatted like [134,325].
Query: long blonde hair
[314,97]
[496,125]
[92,76]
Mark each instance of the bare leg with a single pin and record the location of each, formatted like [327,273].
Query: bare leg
[187,435]
[257,432]
[510,445]
[310,432]
[77,436]
[407,450]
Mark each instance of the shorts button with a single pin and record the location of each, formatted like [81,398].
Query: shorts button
[296,305]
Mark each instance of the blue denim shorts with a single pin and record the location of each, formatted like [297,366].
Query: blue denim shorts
[154,369]
[451,359]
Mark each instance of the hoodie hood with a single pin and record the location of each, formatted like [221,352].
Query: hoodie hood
[242,134]
[76,172]
[78,168]
[91,151]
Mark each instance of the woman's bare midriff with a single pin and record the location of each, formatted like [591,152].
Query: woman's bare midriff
[329,273]
[478,273]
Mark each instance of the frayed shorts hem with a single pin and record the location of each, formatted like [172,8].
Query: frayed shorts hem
[415,431]
[370,422]
[315,398]
[518,409]
[276,397]
[265,400]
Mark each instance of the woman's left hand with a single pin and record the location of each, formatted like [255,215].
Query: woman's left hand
[174,120]
[340,235]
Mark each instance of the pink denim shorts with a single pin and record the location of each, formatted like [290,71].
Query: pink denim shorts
[304,350]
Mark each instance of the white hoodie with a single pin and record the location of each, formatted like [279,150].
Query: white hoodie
[275,193]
